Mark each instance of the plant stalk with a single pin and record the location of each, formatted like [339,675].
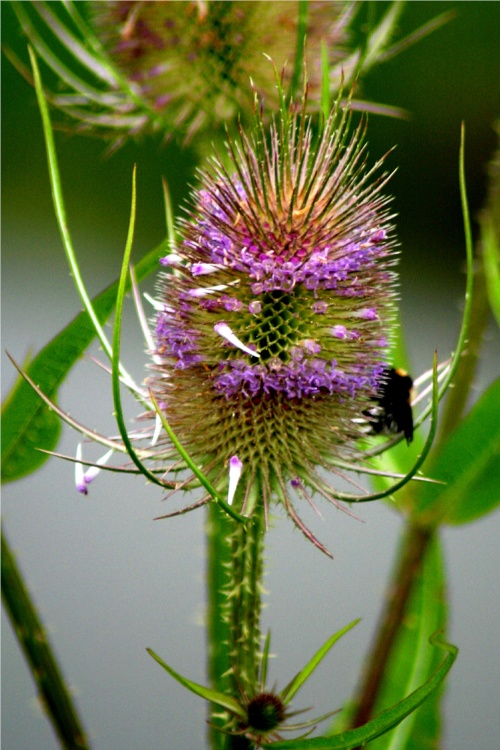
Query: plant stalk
[234,582]
[32,638]
[412,551]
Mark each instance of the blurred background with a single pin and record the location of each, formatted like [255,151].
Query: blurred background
[108,580]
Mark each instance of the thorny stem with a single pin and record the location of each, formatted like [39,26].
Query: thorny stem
[412,551]
[244,602]
[218,529]
[234,583]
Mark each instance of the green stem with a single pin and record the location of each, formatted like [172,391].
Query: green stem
[218,530]
[234,583]
[413,547]
[244,603]
[42,662]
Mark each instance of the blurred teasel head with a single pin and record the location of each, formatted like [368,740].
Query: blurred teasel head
[277,307]
[128,68]
[194,60]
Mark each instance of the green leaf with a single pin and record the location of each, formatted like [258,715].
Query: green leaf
[491,259]
[469,464]
[294,686]
[385,721]
[27,423]
[224,701]
[298,65]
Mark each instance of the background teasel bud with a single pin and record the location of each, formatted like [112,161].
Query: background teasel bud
[124,69]
[274,322]
[194,60]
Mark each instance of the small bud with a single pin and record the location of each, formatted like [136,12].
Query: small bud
[265,712]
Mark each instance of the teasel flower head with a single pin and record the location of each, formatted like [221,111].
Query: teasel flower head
[276,309]
[124,69]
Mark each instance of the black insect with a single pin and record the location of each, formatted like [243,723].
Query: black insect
[392,412]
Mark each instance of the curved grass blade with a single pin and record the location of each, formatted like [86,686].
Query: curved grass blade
[469,285]
[224,701]
[450,372]
[115,351]
[385,721]
[294,686]
[59,207]
[32,638]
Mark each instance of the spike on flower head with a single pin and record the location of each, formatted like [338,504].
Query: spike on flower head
[275,351]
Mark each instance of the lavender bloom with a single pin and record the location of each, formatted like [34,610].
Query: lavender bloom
[274,327]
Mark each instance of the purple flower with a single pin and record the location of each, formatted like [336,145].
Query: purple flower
[273,329]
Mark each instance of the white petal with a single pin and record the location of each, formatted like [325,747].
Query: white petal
[223,330]
[157,430]
[200,269]
[79,475]
[171,260]
[202,291]
[235,467]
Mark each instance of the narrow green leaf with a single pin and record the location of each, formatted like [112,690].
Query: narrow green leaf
[224,701]
[469,465]
[294,686]
[385,721]
[32,638]
[115,358]
[469,288]
[27,423]
[491,257]
[325,82]
[265,660]
[58,200]
[298,65]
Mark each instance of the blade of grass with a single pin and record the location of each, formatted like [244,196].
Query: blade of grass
[60,211]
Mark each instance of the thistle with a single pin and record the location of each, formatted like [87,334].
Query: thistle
[276,312]
[124,69]
[193,61]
